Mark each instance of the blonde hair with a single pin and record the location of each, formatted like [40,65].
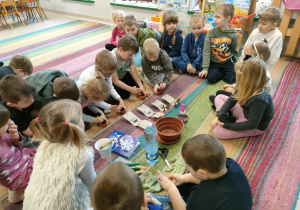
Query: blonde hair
[263,50]
[106,60]
[270,14]
[114,15]
[251,78]
[169,17]
[227,9]
[98,88]
[151,47]
[58,123]
[196,18]
[130,20]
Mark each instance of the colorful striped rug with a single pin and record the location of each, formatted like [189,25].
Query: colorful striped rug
[270,161]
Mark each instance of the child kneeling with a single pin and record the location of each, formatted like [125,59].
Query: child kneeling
[156,65]
[217,182]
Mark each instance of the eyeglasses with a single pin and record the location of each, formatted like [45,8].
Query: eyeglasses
[105,75]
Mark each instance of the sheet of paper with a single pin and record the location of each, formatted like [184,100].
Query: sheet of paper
[132,118]
[146,110]
[169,99]
[160,105]
[144,124]
[158,115]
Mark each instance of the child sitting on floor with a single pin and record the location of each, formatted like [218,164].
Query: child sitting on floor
[92,91]
[118,31]
[118,187]
[19,65]
[105,66]
[156,65]
[127,80]
[191,54]
[251,104]
[220,47]
[258,49]
[171,40]
[141,34]
[214,181]
[63,171]
[51,85]
[12,155]
[267,22]
[17,97]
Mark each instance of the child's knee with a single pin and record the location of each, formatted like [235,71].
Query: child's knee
[220,132]
[212,80]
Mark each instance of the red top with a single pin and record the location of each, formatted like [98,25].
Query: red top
[116,33]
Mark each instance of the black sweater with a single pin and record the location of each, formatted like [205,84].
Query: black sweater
[258,110]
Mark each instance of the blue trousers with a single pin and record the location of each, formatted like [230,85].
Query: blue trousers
[180,64]
[221,71]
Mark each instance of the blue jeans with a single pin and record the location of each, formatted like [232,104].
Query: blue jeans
[180,64]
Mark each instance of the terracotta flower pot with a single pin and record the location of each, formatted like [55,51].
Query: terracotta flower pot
[103,124]
[123,111]
[169,129]
[159,91]
[141,96]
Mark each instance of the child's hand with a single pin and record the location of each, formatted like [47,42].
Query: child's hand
[115,108]
[192,70]
[144,92]
[13,130]
[163,85]
[164,182]
[148,198]
[155,88]
[214,123]
[188,68]
[103,118]
[179,178]
[203,73]
[121,103]
[135,90]
[228,88]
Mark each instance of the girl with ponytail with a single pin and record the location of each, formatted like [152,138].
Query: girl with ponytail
[63,170]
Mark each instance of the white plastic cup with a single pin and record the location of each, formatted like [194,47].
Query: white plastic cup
[106,151]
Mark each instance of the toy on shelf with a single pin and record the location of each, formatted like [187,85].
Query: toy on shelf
[182,114]
[238,22]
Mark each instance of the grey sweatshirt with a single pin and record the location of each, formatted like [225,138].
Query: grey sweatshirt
[162,64]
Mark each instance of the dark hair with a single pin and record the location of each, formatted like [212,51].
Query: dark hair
[270,14]
[227,9]
[169,17]
[204,152]
[65,88]
[4,115]
[106,61]
[14,88]
[128,42]
[21,62]
[117,187]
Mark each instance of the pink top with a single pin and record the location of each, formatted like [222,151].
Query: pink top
[116,33]
[15,163]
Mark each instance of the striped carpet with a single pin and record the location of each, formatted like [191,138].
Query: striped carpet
[270,161]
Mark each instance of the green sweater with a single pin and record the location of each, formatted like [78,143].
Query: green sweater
[220,46]
[143,34]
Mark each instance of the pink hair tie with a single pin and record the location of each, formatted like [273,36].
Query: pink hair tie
[37,119]
[67,122]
